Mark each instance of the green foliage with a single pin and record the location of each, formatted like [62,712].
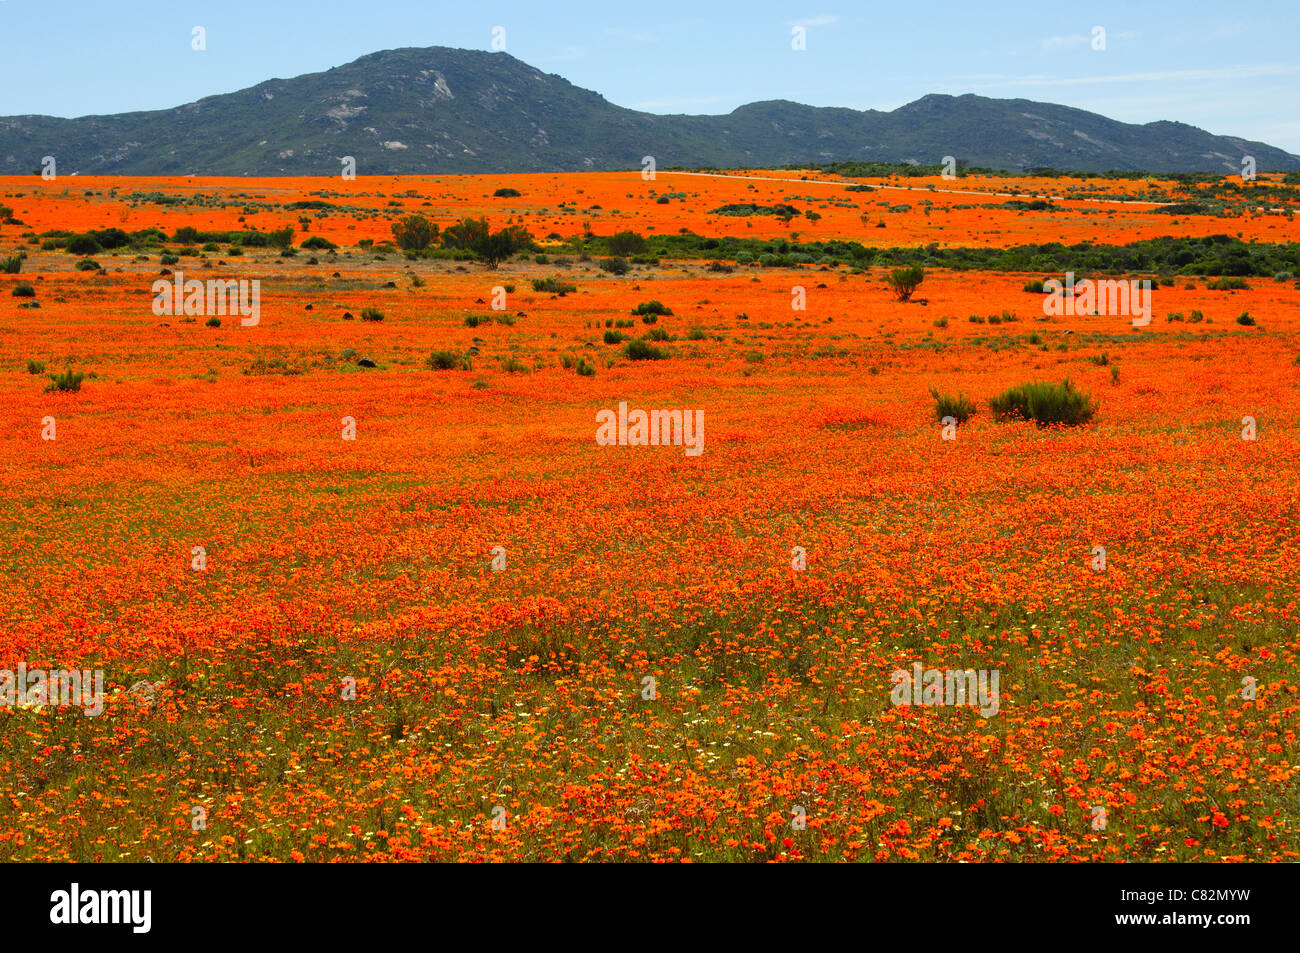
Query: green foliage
[281,238]
[1227,284]
[614,337]
[317,243]
[23,290]
[1245,318]
[414,233]
[652,308]
[83,245]
[67,381]
[904,281]
[554,286]
[506,193]
[615,266]
[474,235]
[371,314]
[444,360]
[744,209]
[625,244]
[956,406]
[35,367]
[1045,403]
[642,350]
[11,265]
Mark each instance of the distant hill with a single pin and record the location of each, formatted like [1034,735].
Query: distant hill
[446,110]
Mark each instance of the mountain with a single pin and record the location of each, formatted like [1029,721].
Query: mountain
[445,110]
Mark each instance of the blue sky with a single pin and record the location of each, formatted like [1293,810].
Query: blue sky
[1227,67]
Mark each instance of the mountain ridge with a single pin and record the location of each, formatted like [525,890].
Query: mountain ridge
[444,110]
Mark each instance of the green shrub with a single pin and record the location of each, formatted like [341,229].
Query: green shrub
[67,381]
[615,337]
[585,368]
[642,350]
[652,308]
[553,286]
[1227,284]
[23,290]
[83,245]
[658,334]
[87,264]
[1035,286]
[371,314]
[615,266]
[506,193]
[213,322]
[11,265]
[444,360]
[956,406]
[904,281]
[35,367]
[697,334]
[624,244]
[317,243]
[168,258]
[1246,319]
[1045,403]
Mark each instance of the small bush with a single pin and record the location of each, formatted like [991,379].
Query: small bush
[904,281]
[23,290]
[553,286]
[67,381]
[585,368]
[1045,403]
[371,314]
[87,264]
[443,360]
[1035,286]
[1246,319]
[83,245]
[11,265]
[168,258]
[615,337]
[35,367]
[506,193]
[642,350]
[697,334]
[615,266]
[652,308]
[213,322]
[1227,284]
[957,406]
[317,243]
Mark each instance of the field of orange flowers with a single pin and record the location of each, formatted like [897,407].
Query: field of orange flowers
[475,633]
